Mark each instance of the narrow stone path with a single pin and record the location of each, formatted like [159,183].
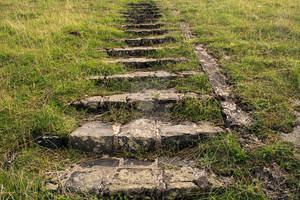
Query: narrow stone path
[163,177]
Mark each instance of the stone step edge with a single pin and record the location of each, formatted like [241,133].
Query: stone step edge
[146,60]
[151,95]
[130,51]
[149,26]
[148,41]
[109,176]
[143,134]
[146,74]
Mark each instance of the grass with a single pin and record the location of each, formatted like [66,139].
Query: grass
[257,43]
[49,47]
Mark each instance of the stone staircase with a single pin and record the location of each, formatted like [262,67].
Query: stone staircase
[170,178]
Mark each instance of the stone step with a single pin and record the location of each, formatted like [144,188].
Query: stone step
[163,178]
[132,51]
[148,101]
[140,21]
[149,41]
[146,32]
[147,62]
[142,16]
[140,135]
[144,26]
[142,5]
[142,10]
[161,75]
[139,12]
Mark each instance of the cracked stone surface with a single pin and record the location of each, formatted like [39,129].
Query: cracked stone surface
[141,134]
[148,101]
[146,62]
[140,178]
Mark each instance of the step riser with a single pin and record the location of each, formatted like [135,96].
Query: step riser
[153,107]
[142,135]
[148,64]
[137,12]
[144,26]
[148,42]
[161,76]
[140,21]
[142,17]
[130,53]
[149,32]
[142,7]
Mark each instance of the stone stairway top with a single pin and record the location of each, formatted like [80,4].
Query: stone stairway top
[163,178]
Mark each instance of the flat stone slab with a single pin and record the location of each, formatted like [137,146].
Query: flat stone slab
[140,75]
[144,26]
[142,16]
[140,12]
[132,51]
[147,101]
[163,178]
[140,21]
[140,135]
[147,62]
[147,32]
[149,41]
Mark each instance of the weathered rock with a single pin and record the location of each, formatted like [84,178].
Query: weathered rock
[146,62]
[148,101]
[148,41]
[146,32]
[140,135]
[235,116]
[139,179]
[132,51]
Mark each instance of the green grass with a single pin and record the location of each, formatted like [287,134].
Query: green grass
[257,43]
[43,68]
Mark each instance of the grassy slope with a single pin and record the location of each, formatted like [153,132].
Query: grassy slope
[42,69]
[258,44]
